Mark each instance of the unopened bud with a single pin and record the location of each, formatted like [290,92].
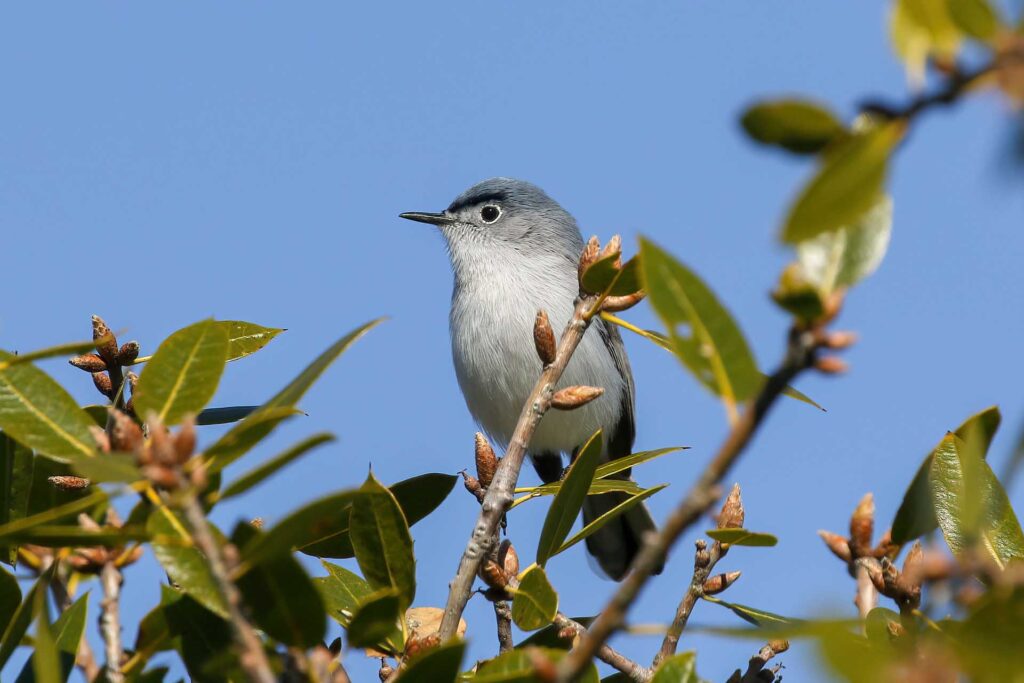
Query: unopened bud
[544,670]
[385,672]
[128,352]
[335,647]
[719,582]
[133,380]
[106,342]
[874,572]
[494,575]
[68,482]
[126,434]
[732,514]
[508,558]
[839,546]
[574,397]
[256,523]
[130,557]
[472,485]
[831,365]
[589,255]
[614,304]
[839,340]
[185,440]
[613,248]
[544,338]
[89,362]
[778,646]
[160,446]
[99,435]
[862,526]
[199,478]
[162,477]
[103,384]
[486,461]
[701,558]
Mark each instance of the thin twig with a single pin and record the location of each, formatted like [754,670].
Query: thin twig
[611,657]
[756,665]
[251,656]
[703,494]
[110,621]
[956,85]
[867,596]
[703,564]
[500,493]
[503,615]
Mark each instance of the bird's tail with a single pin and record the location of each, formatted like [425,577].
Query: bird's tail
[617,543]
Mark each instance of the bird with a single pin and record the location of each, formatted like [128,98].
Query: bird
[514,251]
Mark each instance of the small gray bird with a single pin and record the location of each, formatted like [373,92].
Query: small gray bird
[514,251]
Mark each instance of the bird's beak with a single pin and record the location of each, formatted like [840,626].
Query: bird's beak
[421,217]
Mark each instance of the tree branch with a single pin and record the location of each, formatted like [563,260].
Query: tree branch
[503,615]
[703,494]
[755,668]
[606,654]
[703,563]
[110,621]
[500,492]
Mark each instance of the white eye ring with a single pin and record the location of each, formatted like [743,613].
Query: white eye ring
[490,213]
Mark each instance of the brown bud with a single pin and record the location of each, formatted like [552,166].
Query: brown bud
[128,352]
[568,634]
[199,478]
[778,646]
[385,671]
[544,338]
[839,340]
[719,582]
[99,435]
[335,647]
[160,445]
[613,248]
[508,558]
[493,574]
[106,342]
[574,397]
[839,546]
[885,546]
[486,461]
[256,522]
[89,362]
[185,440]
[472,485]
[129,557]
[133,379]
[68,482]
[89,560]
[862,527]
[589,255]
[544,670]
[701,558]
[614,304]
[103,384]
[126,434]
[732,514]
[831,365]
[162,477]
[874,572]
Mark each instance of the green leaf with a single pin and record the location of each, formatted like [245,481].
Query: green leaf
[440,665]
[66,634]
[10,597]
[976,18]
[847,184]
[225,415]
[320,522]
[259,474]
[376,622]
[876,624]
[254,428]
[246,338]
[603,519]
[568,502]
[841,258]
[987,642]
[681,668]
[183,374]
[621,464]
[107,467]
[38,413]
[16,465]
[68,349]
[743,537]
[417,496]
[154,635]
[597,487]
[60,536]
[923,29]
[14,629]
[45,662]
[755,616]
[796,125]
[551,636]
[535,602]
[600,274]
[970,504]
[205,638]
[281,597]
[184,564]
[517,666]
[916,515]
[704,336]
[342,591]
[381,540]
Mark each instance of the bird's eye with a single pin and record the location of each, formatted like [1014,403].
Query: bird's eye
[490,213]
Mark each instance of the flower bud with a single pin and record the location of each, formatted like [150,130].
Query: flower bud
[613,248]
[589,255]
[732,514]
[839,546]
[106,342]
[486,461]
[128,352]
[508,558]
[544,338]
[99,435]
[494,575]
[472,485]
[831,365]
[862,527]
[614,304]
[574,397]
[68,482]
[89,362]
[126,434]
[839,340]
[718,583]
[103,384]
[185,440]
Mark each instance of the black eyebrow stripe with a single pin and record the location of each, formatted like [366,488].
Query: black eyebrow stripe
[497,196]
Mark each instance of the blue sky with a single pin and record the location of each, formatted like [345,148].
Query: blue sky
[159,165]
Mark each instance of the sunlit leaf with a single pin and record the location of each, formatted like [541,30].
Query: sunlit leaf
[535,601]
[184,564]
[45,663]
[568,502]
[16,464]
[381,540]
[970,504]
[680,668]
[59,536]
[976,18]
[796,125]
[597,487]
[246,338]
[755,616]
[842,257]
[68,349]
[632,460]
[254,428]
[38,413]
[916,514]
[107,467]
[15,628]
[704,336]
[921,29]
[847,184]
[375,622]
[66,634]
[518,666]
[342,592]
[743,537]
[620,509]
[439,665]
[183,374]
[288,456]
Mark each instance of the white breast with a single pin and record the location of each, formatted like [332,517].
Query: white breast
[497,364]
